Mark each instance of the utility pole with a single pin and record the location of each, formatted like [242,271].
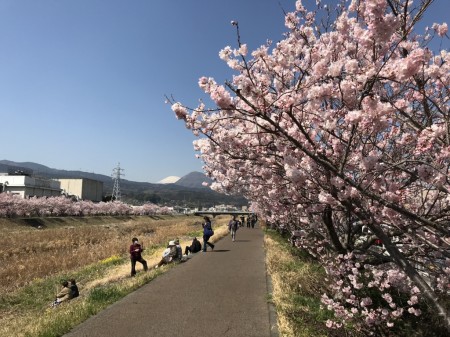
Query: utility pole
[117,172]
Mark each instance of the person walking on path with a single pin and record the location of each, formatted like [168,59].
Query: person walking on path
[207,233]
[233,226]
[254,220]
[135,255]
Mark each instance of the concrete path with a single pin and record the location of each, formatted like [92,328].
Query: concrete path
[217,293]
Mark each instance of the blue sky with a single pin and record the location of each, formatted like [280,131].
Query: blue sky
[82,82]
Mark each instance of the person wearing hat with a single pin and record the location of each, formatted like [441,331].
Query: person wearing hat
[168,254]
[135,255]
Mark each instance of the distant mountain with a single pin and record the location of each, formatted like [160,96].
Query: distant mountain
[47,172]
[169,180]
[187,191]
[13,169]
[194,180]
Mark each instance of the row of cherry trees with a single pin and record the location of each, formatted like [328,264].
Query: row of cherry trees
[341,130]
[15,206]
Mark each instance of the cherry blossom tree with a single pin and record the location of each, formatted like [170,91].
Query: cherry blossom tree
[342,130]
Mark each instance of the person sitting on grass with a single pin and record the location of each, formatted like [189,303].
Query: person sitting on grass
[179,255]
[168,255]
[74,288]
[195,247]
[64,294]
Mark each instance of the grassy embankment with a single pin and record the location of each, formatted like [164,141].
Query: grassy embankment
[36,254]
[298,283]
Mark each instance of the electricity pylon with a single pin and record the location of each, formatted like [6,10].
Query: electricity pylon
[117,172]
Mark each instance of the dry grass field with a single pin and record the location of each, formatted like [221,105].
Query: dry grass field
[35,254]
[28,253]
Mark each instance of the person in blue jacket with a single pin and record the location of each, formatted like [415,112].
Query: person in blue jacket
[207,233]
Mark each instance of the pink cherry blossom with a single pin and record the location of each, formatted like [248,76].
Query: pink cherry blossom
[440,29]
[179,110]
[343,133]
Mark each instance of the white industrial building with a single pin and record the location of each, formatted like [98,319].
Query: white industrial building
[21,182]
[26,186]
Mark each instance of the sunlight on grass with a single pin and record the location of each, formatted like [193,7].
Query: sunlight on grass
[297,287]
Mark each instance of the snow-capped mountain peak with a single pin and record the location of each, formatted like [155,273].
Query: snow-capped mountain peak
[169,180]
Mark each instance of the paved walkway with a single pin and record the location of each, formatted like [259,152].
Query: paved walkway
[218,293]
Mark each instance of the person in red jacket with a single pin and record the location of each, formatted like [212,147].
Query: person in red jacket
[135,255]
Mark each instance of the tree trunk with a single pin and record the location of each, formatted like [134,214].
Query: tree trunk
[328,221]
